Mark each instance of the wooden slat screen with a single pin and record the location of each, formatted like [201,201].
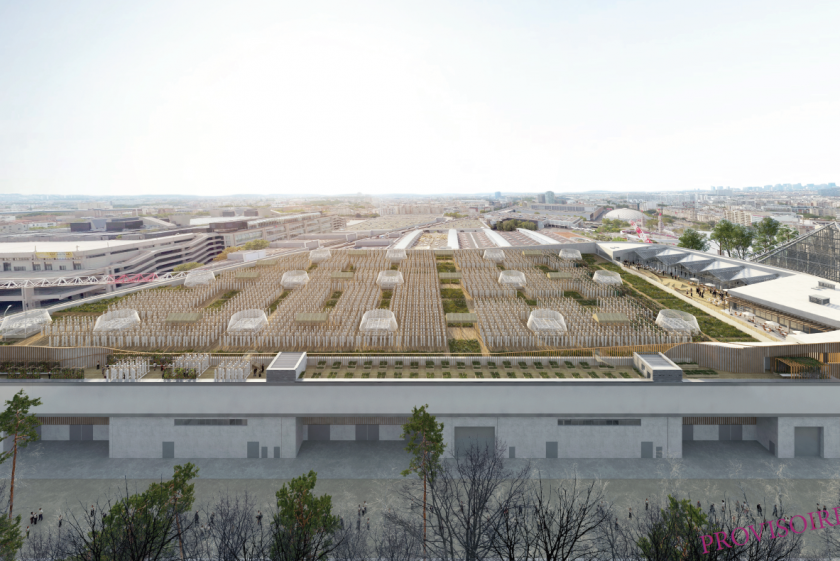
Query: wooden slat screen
[355,420]
[74,420]
[719,420]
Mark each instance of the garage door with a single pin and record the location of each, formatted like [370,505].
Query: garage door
[319,432]
[367,432]
[806,442]
[480,437]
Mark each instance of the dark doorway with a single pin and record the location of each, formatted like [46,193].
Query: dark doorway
[481,437]
[807,442]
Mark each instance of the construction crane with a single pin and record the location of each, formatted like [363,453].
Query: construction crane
[641,233]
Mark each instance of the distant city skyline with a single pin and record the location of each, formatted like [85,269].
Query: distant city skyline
[332,98]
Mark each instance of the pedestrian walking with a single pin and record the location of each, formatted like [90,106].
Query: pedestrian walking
[27,532]
[212,519]
[196,519]
[259,519]
[698,505]
[758,509]
[40,515]
[630,513]
[92,511]
[775,511]
[60,520]
[646,504]
[364,509]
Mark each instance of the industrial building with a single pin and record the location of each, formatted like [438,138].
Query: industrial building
[571,361]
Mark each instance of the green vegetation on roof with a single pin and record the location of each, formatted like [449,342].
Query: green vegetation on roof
[611,318]
[183,318]
[312,318]
[462,318]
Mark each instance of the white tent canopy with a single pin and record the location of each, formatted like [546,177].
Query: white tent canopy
[388,280]
[694,262]
[117,321]
[294,279]
[248,321]
[199,278]
[546,322]
[676,321]
[722,266]
[749,276]
[496,255]
[513,279]
[319,255]
[382,321]
[670,256]
[395,255]
[649,252]
[24,324]
[606,277]
[570,254]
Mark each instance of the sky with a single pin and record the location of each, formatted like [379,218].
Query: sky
[323,98]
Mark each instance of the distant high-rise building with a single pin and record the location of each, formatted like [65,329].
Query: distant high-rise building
[541,198]
[549,197]
[498,194]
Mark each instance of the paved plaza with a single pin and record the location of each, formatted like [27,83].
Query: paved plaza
[62,476]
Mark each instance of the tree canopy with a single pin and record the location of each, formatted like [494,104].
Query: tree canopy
[733,238]
[512,224]
[304,522]
[692,239]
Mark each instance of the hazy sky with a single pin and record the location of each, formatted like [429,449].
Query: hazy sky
[424,97]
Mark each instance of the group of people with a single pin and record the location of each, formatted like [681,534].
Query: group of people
[718,296]
[34,518]
[361,514]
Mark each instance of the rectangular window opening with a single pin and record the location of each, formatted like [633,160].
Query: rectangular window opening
[600,422]
[211,422]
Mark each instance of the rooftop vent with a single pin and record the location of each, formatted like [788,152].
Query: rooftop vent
[816,299]
[829,285]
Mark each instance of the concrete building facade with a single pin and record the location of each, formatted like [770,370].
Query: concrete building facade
[607,419]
